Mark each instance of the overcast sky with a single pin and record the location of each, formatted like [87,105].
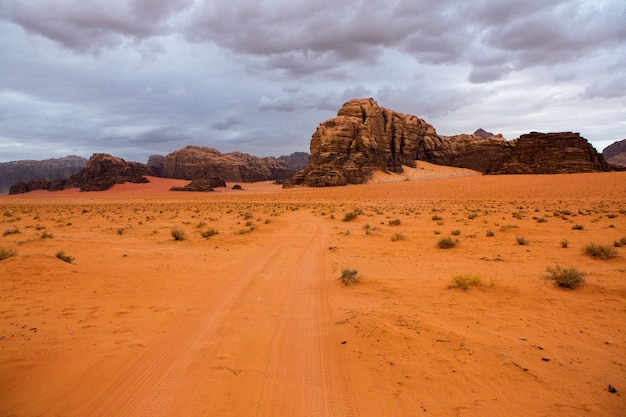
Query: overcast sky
[139,77]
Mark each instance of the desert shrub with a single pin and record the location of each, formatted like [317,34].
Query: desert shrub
[120,231]
[349,276]
[11,231]
[578,227]
[446,243]
[564,243]
[455,232]
[565,277]
[521,240]
[599,251]
[7,253]
[436,218]
[620,243]
[464,281]
[65,258]
[46,235]
[209,232]
[247,216]
[178,234]
[395,222]
[367,229]
[542,220]
[490,233]
[397,236]
[351,215]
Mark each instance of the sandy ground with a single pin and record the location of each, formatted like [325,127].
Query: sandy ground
[253,321]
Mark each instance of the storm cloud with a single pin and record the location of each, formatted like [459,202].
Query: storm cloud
[138,77]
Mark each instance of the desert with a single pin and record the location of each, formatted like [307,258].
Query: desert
[142,301]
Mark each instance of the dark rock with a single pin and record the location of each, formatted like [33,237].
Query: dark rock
[194,162]
[615,154]
[236,187]
[296,161]
[483,134]
[200,185]
[155,162]
[49,170]
[103,171]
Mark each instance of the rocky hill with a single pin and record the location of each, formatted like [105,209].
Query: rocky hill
[483,134]
[100,173]
[47,170]
[195,162]
[296,161]
[616,153]
[364,138]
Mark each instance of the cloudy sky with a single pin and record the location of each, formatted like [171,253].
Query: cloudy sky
[139,77]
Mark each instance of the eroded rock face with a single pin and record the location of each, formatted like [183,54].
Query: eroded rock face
[26,171]
[103,171]
[361,139]
[615,153]
[296,161]
[365,137]
[195,162]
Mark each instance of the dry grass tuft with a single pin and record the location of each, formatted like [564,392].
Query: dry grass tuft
[565,277]
[349,276]
[465,281]
[599,251]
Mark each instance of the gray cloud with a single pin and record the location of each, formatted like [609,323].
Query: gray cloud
[128,75]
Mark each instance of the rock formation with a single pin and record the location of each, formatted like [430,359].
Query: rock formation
[48,170]
[483,134]
[365,137]
[194,162]
[296,161]
[201,185]
[615,154]
[155,162]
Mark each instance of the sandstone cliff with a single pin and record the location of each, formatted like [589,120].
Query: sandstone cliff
[195,162]
[296,161]
[47,170]
[615,153]
[365,137]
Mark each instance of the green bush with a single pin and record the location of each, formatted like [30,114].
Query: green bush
[349,276]
[565,277]
[599,251]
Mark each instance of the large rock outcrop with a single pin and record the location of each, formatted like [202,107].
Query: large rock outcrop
[361,139]
[296,161]
[48,170]
[615,153]
[365,137]
[103,171]
[195,162]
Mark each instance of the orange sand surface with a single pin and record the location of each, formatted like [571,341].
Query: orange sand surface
[253,320]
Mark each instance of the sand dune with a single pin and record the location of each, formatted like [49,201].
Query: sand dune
[253,321]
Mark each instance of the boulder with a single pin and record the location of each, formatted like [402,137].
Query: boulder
[103,171]
[201,185]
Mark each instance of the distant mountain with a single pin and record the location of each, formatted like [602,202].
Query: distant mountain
[296,161]
[616,153]
[49,170]
[483,134]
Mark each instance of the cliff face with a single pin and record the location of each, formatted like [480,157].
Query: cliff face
[48,170]
[361,139]
[296,161]
[615,153]
[365,137]
[195,162]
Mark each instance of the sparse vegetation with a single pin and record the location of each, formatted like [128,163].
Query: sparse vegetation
[178,234]
[599,251]
[367,229]
[65,258]
[564,243]
[578,227]
[397,236]
[351,215]
[490,233]
[11,231]
[394,222]
[209,232]
[446,243]
[349,276]
[455,232]
[46,235]
[521,240]
[620,243]
[565,277]
[436,218]
[464,281]
[6,252]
